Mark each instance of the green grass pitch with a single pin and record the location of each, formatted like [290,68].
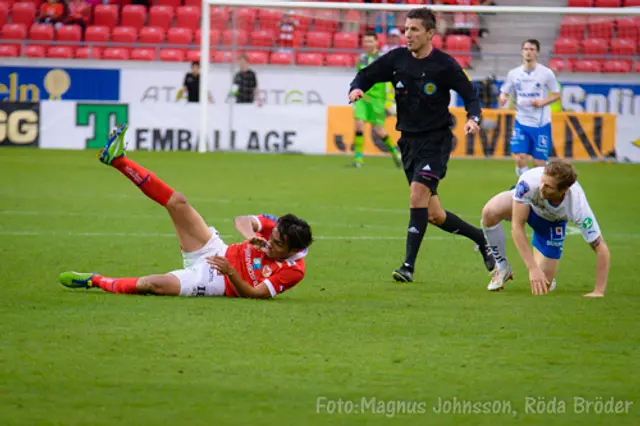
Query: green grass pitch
[346,339]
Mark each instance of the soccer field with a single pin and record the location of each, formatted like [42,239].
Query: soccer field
[346,339]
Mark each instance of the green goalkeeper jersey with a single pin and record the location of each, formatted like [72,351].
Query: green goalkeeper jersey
[379,90]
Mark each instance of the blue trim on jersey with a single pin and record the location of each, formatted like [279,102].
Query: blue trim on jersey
[534,141]
[548,237]
[270,216]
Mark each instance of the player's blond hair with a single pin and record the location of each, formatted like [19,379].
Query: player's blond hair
[563,173]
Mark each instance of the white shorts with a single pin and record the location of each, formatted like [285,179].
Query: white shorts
[197,278]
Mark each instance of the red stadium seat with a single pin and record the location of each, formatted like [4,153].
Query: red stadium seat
[566,46]
[595,47]
[628,27]
[134,15]
[560,65]
[171,3]
[281,58]
[41,32]
[70,33]
[179,37]
[437,42]
[14,32]
[219,18]
[573,27]
[618,67]
[172,55]
[124,35]
[352,16]
[241,37]
[601,27]
[304,18]
[188,17]
[310,59]
[636,67]
[23,13]
[590,66]
[97,34]
[262,38]
[459,43]
[151,35]
[160,16]
[580,3]
[318,40]
[143,54]
[345,40]
[326,20]
[60,52]
[34,51]
[9,50]
[608,3]
[214,38]
[222,57]
[88,53]
[269,19]
[245,18]
[339,60]
[4,13]
[105,15]
[623,47]
[115,54]
[258,58]
[632,3]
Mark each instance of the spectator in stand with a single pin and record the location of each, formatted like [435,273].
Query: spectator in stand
[245,83]
[394,41]
[288,28]
[79,12]
[52,12]
[384,21]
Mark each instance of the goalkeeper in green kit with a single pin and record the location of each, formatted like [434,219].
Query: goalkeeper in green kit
[371,108]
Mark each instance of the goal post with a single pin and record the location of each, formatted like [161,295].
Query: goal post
[518,15]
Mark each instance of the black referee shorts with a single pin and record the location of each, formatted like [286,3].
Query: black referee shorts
[425,156]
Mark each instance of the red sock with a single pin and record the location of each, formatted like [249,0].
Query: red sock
[150,184]
[116,285]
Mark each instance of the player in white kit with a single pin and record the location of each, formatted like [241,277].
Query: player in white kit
[534,88]
[545,198]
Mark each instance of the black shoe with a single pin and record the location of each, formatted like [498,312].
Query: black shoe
[404,274]
[489,261]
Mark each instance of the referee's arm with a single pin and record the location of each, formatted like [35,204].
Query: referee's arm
[461,83]
[381,70]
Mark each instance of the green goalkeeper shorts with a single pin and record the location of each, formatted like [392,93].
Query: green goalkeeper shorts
[370,111]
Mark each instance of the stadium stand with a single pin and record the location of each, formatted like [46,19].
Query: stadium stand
[169,31]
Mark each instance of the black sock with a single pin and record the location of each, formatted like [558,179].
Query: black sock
[417,227]
[455,225]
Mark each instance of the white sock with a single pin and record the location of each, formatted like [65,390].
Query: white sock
[497,243]
[521,170]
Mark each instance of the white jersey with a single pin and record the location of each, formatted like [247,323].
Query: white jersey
[527,86]
[574,207]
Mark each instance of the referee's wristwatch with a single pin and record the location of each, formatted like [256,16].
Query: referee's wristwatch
[475,118]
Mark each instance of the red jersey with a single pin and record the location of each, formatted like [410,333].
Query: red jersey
[256,268]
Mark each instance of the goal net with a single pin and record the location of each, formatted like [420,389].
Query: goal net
[303,55]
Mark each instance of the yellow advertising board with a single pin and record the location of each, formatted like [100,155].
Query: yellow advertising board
[580,136]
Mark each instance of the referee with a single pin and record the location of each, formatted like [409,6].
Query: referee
[422,77]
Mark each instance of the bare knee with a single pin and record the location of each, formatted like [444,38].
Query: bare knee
[419,196]
[489,216]
[359,126]
[437,216]
[380,131]
[177,200]
[157,284]
[521,160]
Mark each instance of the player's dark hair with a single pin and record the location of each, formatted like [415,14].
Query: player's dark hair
[295,231]
[533,41]
[243,56]
[563,173]
[427,16]
[371,33]
[195,63]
